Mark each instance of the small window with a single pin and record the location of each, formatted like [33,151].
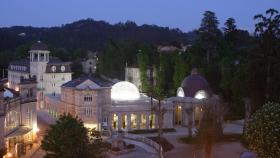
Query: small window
[87,98]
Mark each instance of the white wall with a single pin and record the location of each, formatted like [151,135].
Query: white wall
[53,82]
[14,78]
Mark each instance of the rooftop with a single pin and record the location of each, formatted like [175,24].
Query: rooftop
[39,46]
[102,82]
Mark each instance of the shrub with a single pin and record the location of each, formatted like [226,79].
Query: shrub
[263,131]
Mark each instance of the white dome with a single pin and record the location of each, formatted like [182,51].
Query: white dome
[124,90]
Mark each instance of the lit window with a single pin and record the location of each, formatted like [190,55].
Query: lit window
[201,94]
[180,92]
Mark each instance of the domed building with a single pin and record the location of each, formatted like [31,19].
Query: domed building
[187,105]
[194,86]
[107,104]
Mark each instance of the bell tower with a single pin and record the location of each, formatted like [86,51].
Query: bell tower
[39,57]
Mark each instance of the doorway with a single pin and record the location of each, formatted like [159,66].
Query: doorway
[178,115]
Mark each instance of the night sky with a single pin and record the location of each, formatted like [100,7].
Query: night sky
[183,14]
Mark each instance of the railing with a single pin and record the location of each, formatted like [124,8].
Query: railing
[145,140]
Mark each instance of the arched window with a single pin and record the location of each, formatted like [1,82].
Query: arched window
[201,95]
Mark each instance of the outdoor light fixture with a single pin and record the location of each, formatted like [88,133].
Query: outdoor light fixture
[124,90]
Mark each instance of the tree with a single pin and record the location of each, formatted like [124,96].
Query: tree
[265,58]
[142,60]
[180,70]
[230,25]
[210,128]
[68,138]
[209,35]
[262,132]
[268,29]
[158,93]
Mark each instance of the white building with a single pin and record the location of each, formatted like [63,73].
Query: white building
[132,74]
[18,118]
[103,104]
[50,73]
[89,64]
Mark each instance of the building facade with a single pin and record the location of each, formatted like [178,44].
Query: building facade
[18,117]
[132,74]
[107,105]
[89,64]
[50,73]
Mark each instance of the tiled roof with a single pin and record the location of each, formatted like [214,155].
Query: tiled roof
[39,46]
[94,78]
[57,66]
[22,62]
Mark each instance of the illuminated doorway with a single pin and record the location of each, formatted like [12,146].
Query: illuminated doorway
[115,121]
[124,121]
[178,115]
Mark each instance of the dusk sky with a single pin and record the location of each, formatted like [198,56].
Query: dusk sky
[183,14]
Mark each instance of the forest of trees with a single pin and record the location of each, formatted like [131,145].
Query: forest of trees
[237,64]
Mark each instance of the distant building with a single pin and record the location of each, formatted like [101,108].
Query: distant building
[18,117]
[132,74]
[172,48]
[89,64]
[50,73]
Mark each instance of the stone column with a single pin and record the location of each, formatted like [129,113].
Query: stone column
[45,57]
[147,121]
[38,56]
[138,121]
[119,121]
[156,121]
[128,121]
[109,121]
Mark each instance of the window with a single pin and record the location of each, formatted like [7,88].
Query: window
[53,68]
[88,98]
[88,112]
